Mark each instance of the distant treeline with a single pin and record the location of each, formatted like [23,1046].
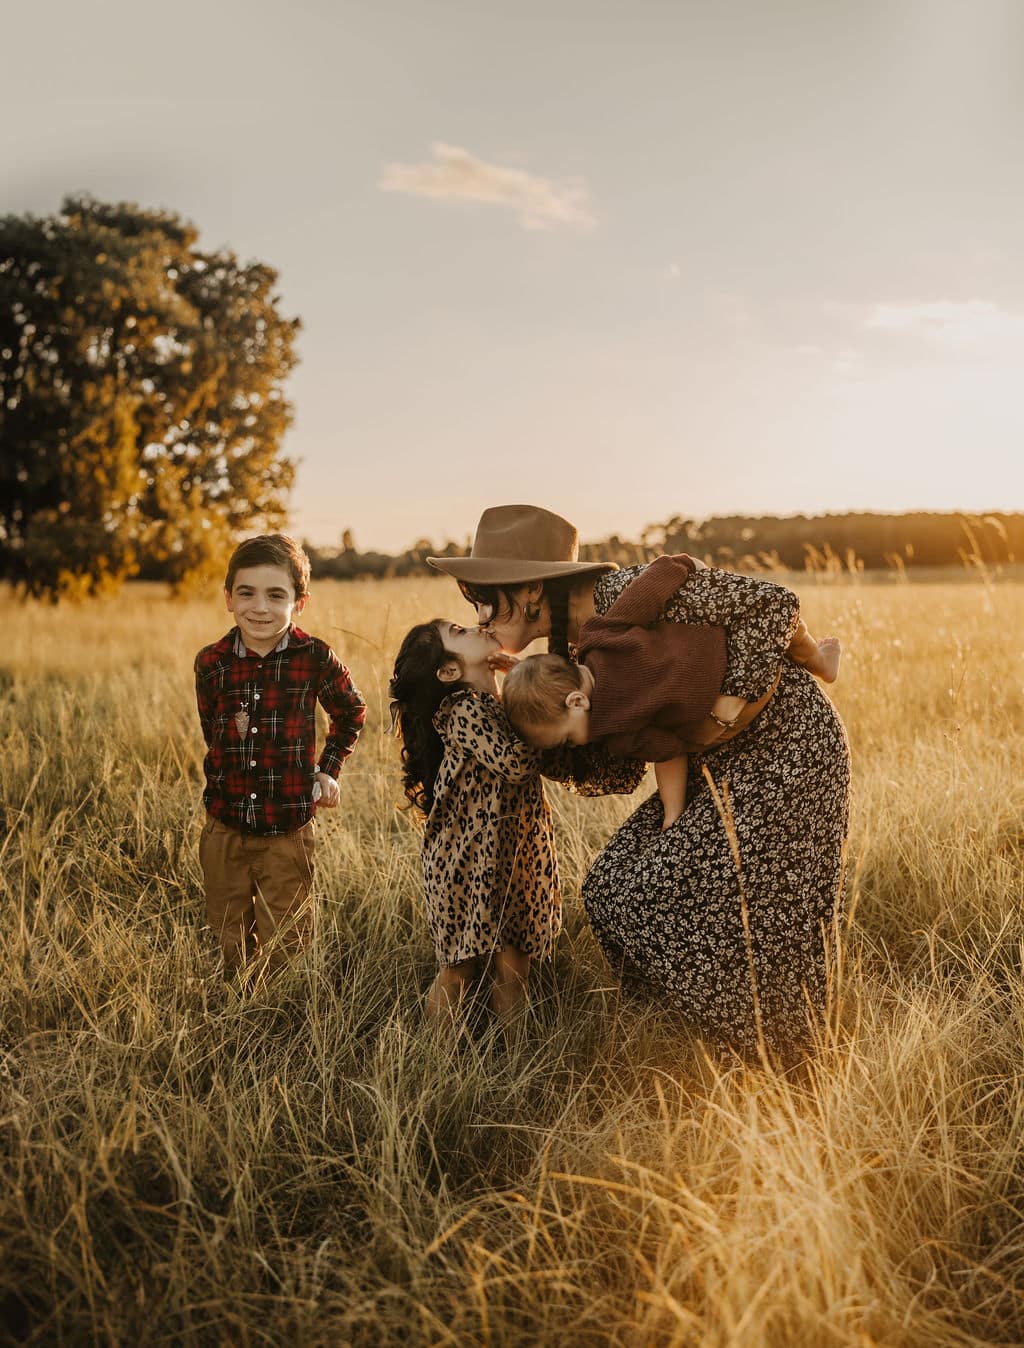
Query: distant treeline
[830,543]
[348,563]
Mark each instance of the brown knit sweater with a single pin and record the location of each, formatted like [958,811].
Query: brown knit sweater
[654,682]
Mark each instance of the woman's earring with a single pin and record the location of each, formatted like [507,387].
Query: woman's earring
[531,612]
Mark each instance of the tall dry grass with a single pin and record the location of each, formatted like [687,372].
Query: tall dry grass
[309,1163]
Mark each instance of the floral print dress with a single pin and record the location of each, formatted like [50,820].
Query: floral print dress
[728,912]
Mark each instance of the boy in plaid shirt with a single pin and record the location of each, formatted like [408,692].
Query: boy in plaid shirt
[257,690]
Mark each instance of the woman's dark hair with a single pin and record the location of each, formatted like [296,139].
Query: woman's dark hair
[418,693]
[502,599]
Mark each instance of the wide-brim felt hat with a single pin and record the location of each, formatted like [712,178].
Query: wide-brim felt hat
[515,544]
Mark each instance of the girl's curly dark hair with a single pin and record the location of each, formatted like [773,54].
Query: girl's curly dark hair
[418,692]
[501,599]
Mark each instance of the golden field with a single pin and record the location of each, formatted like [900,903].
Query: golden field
[310,1163]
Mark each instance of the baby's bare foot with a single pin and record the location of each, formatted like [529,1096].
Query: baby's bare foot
[830,652]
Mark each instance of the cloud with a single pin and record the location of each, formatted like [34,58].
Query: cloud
[455,175]
[847,362]
[950,323]
[731,311]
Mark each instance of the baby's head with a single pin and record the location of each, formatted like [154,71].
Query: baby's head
[547,699]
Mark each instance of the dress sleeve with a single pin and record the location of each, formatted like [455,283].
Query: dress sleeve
[640,603]
[478,727]
[759,618]
[590,770]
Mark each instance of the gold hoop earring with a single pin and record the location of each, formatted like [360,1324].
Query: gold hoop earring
[531,612]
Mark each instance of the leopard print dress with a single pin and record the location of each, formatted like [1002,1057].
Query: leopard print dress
[489,868]
[727,913]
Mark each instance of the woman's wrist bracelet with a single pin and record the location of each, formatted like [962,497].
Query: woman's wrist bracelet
[726,725]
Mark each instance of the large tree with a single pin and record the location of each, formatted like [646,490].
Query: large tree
[141,397]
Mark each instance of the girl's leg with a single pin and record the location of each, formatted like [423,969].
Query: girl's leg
[448,989]
[508,992]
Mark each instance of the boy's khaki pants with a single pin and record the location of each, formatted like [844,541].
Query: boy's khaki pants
[258,891]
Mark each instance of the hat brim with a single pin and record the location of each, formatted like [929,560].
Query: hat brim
[502,571]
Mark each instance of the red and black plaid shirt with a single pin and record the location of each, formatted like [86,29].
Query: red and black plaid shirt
[258,714]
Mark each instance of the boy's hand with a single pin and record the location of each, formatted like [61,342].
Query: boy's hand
[330,792]
[501,662]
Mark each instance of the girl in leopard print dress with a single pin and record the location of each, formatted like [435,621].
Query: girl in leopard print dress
[489,871]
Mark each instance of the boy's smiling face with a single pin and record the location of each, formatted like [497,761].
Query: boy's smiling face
[263,600]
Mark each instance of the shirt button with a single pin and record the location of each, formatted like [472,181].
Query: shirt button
[252,795]
[252,762]
[252,731]
[256,697]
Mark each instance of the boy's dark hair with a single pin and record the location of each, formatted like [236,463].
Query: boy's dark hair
[271,550]
[416,693]
[501,599]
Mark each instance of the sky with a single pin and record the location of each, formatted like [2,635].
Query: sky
[625,260]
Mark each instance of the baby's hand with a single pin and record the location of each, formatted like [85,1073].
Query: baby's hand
[501,662]
[330,793]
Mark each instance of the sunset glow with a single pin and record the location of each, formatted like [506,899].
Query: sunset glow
[733,258]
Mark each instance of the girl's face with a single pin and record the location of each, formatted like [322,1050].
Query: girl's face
[469,645]
[469,648]
[511,626]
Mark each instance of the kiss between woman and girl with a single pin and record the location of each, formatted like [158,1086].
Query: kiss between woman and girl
[726,910]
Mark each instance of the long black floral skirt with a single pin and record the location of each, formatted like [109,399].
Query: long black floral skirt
[736,929]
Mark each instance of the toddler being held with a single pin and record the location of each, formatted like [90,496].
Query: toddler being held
[644,688]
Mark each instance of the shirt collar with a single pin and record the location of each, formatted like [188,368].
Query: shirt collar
[242,651]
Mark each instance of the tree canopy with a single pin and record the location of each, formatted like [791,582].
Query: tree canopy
[141,397]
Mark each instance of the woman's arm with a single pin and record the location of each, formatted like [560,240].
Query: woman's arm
[728,717]
[759,618]
[590,770]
